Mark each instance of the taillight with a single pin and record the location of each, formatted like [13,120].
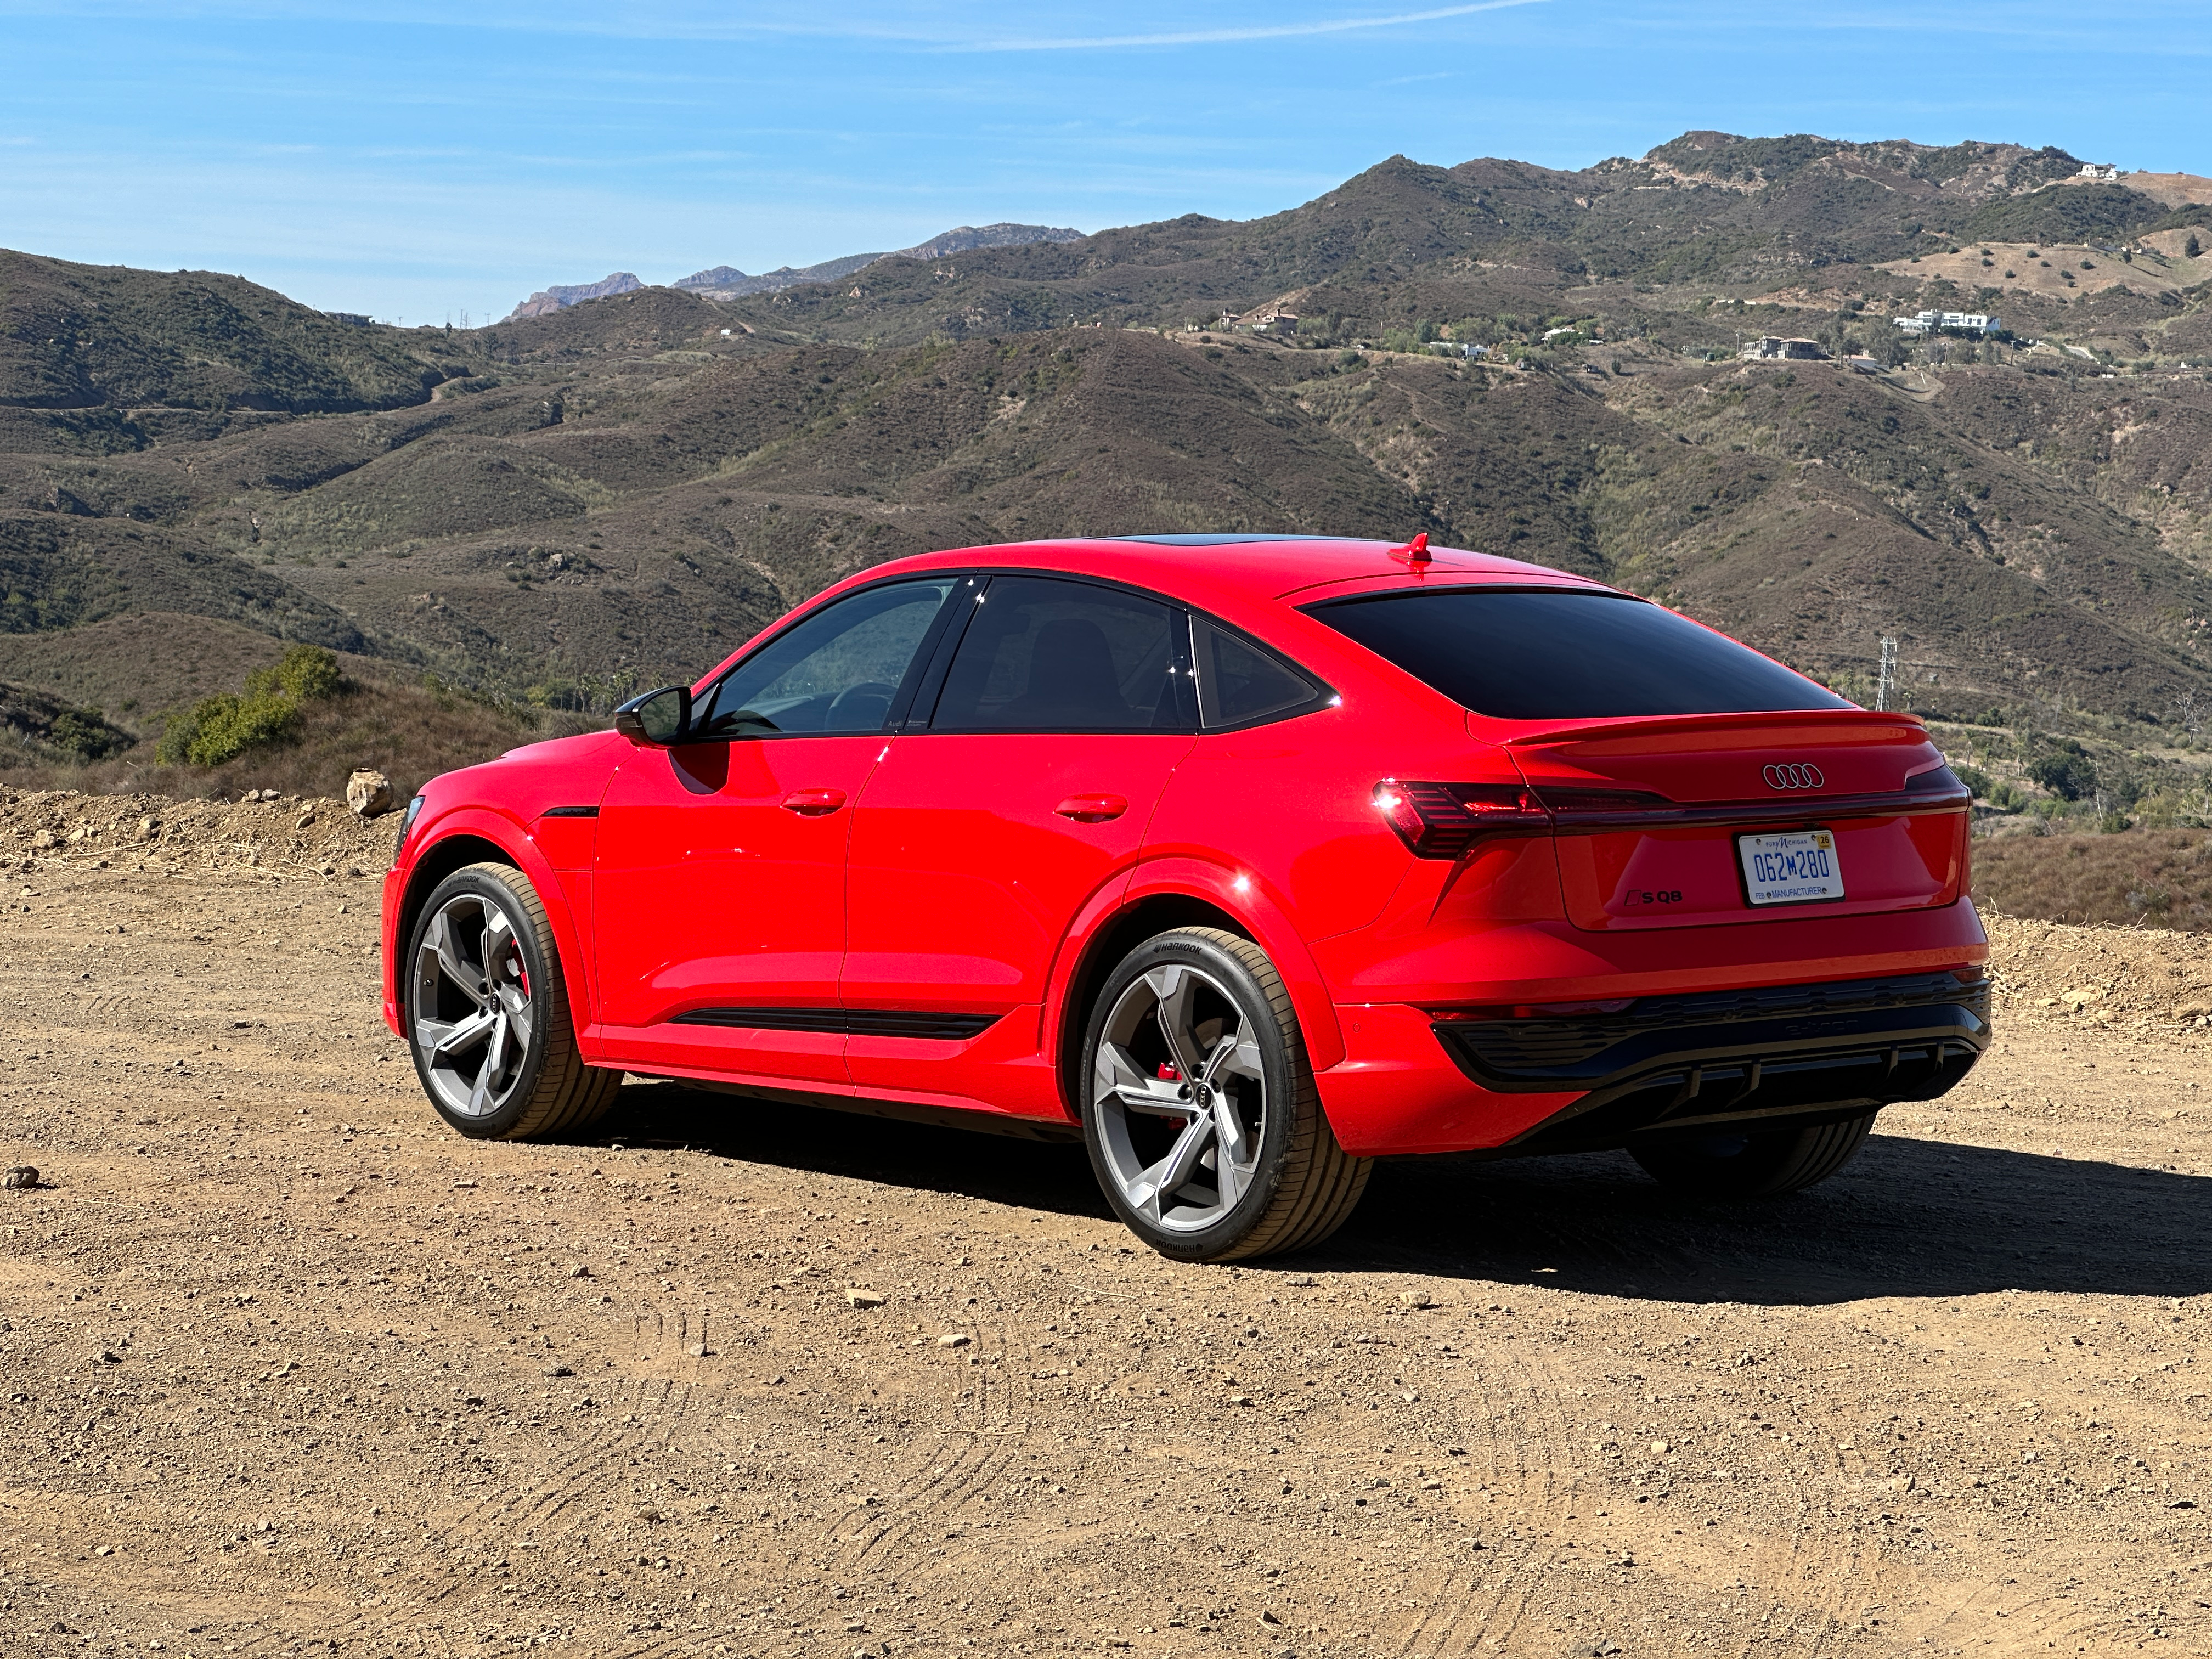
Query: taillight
[1442,820]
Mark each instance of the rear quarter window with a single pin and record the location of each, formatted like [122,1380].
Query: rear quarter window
[1547,654]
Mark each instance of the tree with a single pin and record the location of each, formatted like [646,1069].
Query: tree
[2067,776]
[1883,342]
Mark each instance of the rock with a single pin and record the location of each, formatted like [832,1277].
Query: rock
[954,1339]
[1417,1299]
[1661,1448]
[860,1298]
[1902,1483]
[1300,1281]
[579,1270]
[369,792]
[44,839]
[21,1178]
[305,820]
[558,1371]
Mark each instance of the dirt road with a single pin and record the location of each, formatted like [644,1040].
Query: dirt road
[285,1368]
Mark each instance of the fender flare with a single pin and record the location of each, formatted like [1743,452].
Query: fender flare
[483,824]
[1242,897]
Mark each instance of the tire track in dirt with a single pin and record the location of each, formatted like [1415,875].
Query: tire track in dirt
[1464,1607]
[979,1456]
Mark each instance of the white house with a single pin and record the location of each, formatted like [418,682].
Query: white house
[1949,322]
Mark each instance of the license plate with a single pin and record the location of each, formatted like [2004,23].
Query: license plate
[1797,868]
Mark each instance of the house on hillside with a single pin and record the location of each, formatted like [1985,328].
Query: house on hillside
[2103,171]
[1276,322]
[1949,322]
[1774,349]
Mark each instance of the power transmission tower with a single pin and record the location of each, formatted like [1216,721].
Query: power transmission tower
[1885,680]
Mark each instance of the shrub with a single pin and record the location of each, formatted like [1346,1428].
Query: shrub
[86,737]
[306,672]
[223,727]
[1976,780]
[2067,776]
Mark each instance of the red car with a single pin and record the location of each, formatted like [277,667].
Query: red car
[1246,859]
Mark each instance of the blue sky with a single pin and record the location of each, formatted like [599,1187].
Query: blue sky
[418,160]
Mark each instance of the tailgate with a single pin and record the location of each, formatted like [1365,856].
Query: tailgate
[1699,820]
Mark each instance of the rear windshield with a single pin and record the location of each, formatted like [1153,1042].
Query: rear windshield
[1526,655]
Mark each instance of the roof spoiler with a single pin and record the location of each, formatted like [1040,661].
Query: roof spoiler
[1805,721]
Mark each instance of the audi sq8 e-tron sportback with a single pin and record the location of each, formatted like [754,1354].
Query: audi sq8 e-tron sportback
[1245,859]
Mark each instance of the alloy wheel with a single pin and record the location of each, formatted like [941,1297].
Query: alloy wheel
[1180,1096]
[473,1017]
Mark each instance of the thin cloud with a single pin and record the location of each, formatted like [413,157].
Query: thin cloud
[1213,37]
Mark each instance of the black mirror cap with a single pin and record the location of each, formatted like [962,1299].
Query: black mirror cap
[659,718]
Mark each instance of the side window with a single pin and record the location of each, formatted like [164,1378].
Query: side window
[1045,656]
[1238,683]
[838,671]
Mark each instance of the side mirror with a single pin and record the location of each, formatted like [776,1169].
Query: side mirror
[658,718]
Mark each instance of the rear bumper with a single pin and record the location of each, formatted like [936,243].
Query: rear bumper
[1757,1057]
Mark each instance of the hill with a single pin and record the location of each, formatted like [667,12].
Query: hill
[616,493]
[728,282]
[159,356]
[548,300]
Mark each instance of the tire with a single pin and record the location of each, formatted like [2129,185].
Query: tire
[1753,1165]
[1158,1162]
[496,1052]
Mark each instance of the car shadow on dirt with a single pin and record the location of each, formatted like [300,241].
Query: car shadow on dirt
[996,1168]
[1908,1218]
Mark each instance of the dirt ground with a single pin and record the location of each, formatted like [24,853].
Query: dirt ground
[285,1368]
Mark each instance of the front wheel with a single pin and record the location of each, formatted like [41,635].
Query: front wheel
[488,1015]
[1724,1166]
[1204,1127]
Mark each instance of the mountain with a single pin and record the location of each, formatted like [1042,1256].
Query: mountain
[548,300]
[728,282]
[545,512]
[1405,240]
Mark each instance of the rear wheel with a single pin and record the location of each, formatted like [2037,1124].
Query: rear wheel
[1753,1165]
[488,1014]
[1203,1124]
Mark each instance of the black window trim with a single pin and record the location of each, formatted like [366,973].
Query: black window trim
[924,680]
[1325,695]
[1179,646]
[909,682]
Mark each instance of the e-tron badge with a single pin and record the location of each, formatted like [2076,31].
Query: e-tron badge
[1794,777]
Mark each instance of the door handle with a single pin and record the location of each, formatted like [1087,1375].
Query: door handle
[1092,809]
[813,803]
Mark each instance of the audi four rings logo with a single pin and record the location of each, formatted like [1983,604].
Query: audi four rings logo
[1794,777]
